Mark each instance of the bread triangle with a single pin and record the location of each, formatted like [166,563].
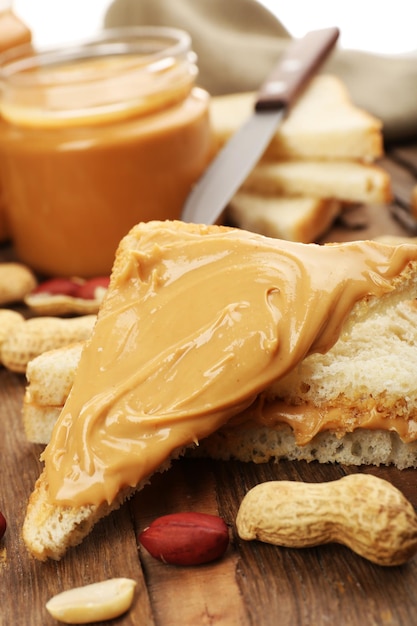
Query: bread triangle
[323,124]
[294,219]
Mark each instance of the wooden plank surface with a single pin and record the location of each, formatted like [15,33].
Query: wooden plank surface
[254,584]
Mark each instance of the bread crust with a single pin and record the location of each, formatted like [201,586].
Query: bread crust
[260,444]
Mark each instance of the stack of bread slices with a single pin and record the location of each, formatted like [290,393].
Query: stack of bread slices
[321,160]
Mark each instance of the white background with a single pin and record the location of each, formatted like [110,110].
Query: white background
[375,25]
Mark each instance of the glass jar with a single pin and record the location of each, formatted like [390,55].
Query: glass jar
[13,32]
[95,138]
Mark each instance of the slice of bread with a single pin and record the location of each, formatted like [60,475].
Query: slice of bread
[323,124]
[294,219]
[346,181]
[50,377]
[355,280]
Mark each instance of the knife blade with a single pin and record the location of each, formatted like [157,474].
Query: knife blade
[223,177]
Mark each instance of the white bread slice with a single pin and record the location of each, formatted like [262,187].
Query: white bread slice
[323,124]
[49,528]
[50,377]
[294,219]
[260,444]
[346,181]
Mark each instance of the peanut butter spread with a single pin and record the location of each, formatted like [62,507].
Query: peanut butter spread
[197,322]
[306,421]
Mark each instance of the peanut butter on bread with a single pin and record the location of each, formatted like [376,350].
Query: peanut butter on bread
[197,322]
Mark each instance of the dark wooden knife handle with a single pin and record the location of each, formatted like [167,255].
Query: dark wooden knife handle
[296,66]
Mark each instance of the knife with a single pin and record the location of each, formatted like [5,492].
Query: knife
[231,166]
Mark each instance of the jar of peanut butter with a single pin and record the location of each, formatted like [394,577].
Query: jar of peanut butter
[95,138]
[13,32]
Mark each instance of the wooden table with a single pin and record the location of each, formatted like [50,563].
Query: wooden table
[254,584]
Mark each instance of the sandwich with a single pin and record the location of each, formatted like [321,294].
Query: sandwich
[200,327]
[355,404]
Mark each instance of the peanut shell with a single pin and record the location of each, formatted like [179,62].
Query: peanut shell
[365,513]
[38,335]
[16,281]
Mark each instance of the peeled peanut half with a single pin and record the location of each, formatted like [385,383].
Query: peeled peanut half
[63,296]
[61,305]
[97,602]
[67,296]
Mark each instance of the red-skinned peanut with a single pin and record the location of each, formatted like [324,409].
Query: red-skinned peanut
[87,290]
[188,538]
[57,287]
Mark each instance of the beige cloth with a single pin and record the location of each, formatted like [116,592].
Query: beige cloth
[238,42]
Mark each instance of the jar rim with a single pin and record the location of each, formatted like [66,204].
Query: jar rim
[119,72]
[157,42]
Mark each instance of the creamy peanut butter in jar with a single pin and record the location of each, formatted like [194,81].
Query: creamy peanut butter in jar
[13,32]
[95,138]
